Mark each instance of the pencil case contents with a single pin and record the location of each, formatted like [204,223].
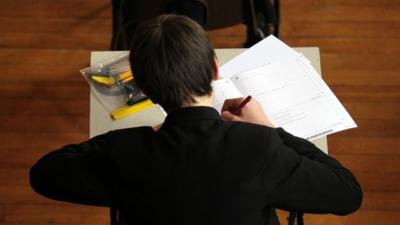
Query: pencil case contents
[113,84]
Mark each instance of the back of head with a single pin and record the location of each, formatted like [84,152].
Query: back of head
[172,60]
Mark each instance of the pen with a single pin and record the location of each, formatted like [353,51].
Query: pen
[236,111]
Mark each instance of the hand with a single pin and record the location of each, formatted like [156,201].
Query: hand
[157,127]
[250,113]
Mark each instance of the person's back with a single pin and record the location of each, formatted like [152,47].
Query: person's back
[195,171]
[198,167]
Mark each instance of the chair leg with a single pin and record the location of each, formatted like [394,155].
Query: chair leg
[278,18]
[261,20]
[116,24]
[113,216]
[250,19]
[271,16]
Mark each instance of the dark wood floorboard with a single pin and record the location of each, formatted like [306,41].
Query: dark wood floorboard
[45,102]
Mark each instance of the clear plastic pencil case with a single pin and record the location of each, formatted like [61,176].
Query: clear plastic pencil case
[112,82]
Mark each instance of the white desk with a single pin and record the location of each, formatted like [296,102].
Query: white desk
[101,122]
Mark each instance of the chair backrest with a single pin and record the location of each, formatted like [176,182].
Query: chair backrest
[127,14]
[260,16]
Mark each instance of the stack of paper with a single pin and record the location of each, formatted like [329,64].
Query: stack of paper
[291,92]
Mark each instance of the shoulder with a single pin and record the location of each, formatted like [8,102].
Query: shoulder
[252,136]
[126,137]
[250,130]
[132,130]
[249,147]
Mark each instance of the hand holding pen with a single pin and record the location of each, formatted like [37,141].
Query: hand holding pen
[244,110]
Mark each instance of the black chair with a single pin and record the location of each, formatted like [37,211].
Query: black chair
[261,17]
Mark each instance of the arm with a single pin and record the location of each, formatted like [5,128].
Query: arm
[75,173]
[312,181]
[298,175]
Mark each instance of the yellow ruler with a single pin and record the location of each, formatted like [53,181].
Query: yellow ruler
[129,110]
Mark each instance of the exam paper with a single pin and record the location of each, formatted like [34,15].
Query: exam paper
[224,89]
[267,51]
[292,95]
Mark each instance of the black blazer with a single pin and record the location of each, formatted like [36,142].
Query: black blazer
[198,169]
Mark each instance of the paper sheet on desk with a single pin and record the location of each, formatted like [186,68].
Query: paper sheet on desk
[293,96]
[224,89]
[264,52]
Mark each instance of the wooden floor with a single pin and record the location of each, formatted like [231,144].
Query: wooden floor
[45,101]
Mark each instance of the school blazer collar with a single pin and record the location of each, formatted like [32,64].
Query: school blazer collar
[192,114]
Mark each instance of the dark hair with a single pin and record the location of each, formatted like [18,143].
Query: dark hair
[172,60]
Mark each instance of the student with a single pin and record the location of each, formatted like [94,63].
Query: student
[197,167]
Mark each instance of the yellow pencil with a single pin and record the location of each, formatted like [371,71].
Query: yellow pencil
[124,77]
[127,74]
[129,110]
[103,80]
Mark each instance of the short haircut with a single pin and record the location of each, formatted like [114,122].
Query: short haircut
[172,60]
